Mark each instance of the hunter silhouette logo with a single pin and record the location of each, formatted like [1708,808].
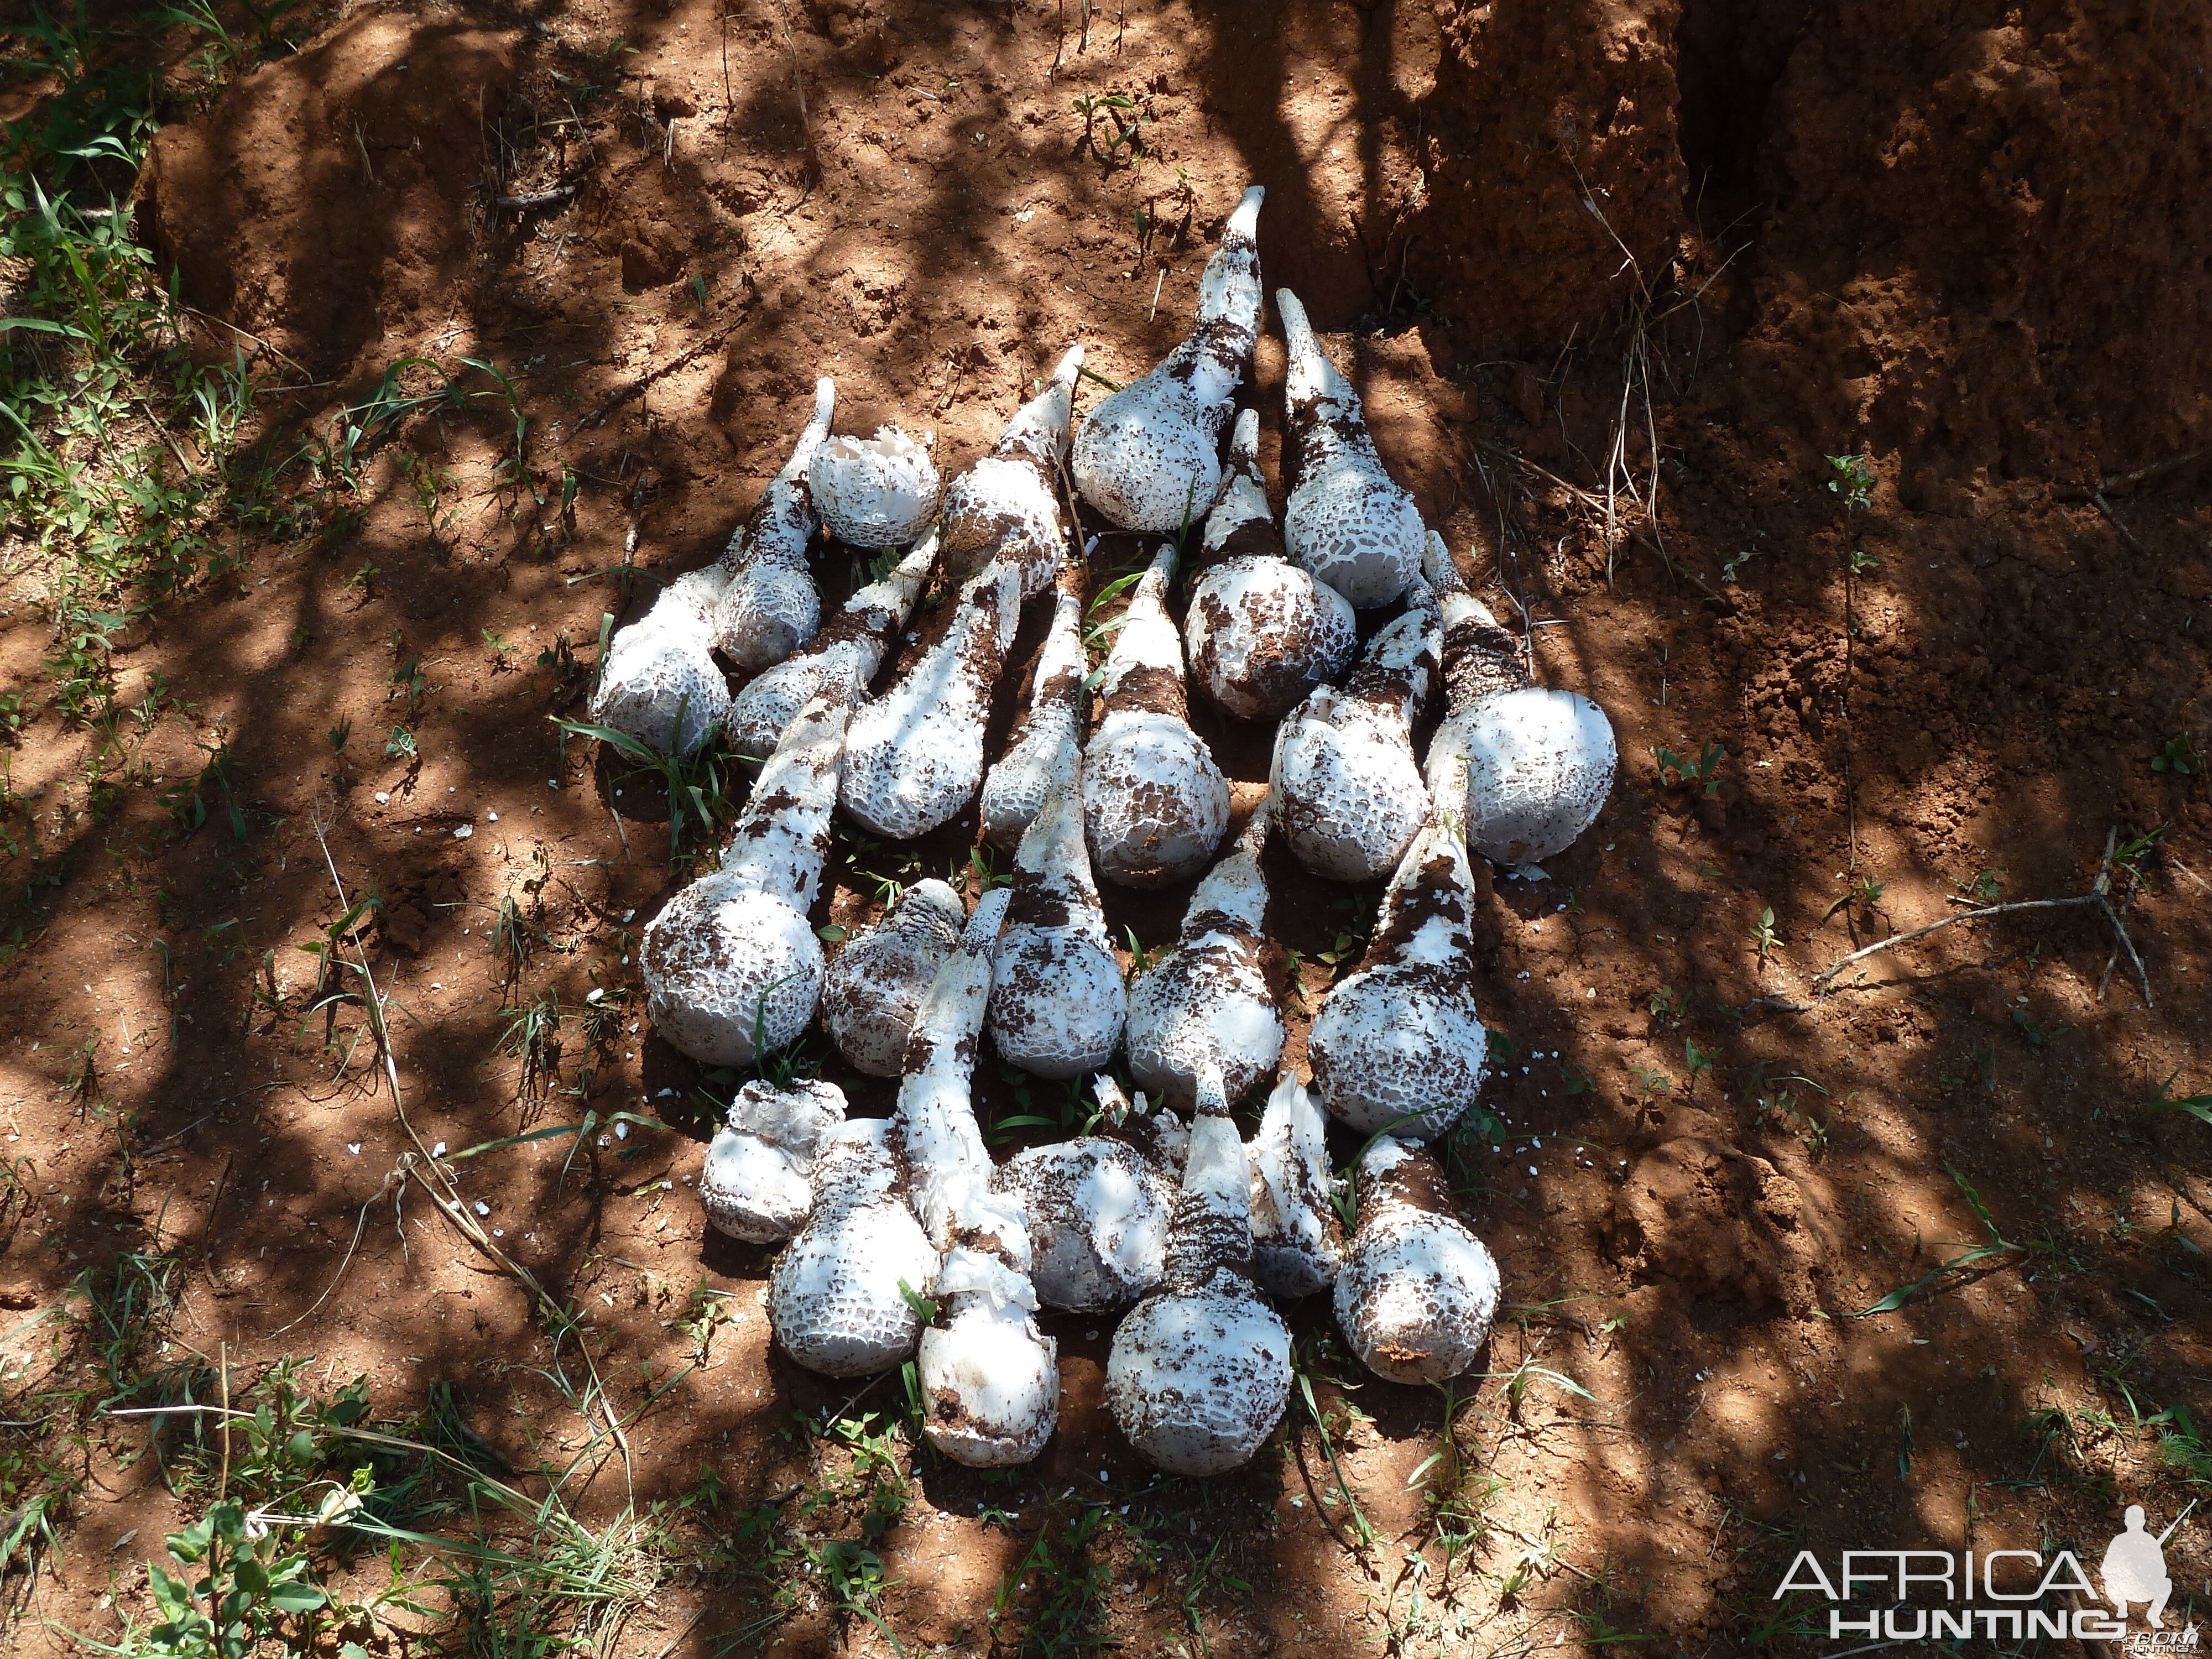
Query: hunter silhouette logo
[2135,1568]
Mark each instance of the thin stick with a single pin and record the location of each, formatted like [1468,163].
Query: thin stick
[1156,285]
[538,198]
[2113,519]
[622,394]
[2097,896]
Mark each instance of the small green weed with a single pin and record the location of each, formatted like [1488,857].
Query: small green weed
[2179,757]
[1703,772]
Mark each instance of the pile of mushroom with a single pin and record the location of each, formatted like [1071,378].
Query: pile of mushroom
[907,1239]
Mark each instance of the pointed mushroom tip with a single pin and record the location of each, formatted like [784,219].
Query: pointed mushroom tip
[1070,364]
[1244,220]
[1213,1099]
[1244,442]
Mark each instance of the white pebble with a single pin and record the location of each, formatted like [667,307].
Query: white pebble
[621,1132]
[499,1232]
[465,832]
[494,816]
[594,993]
[354,1147]
[383,798]
[1532,1168]
[438,1150]
[482,1208]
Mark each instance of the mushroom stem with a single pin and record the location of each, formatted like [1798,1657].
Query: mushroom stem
[854,639]
[1052,732]
[769,606]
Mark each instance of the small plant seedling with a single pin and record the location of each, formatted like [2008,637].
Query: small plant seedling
[1704,772]
[1763,937]
[2179,757]
[1735,562]
[1987,886]
[1652,1084]
[1696,1060]
[1667,1006]
[1857,561]
[1851,477]
[340,732]
[400,745]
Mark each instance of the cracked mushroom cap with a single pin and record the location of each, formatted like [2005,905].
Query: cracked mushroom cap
[758,1181]
[871,991]
[1155,804]
[1098,1211]
[1261,632]
[875,492]
[1417,1291]
[730,972]
[661,684]
[834,1300]
[1200,1370]
[1539,767]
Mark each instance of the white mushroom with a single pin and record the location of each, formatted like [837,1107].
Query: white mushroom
[916,755]
[768,606]
[853,641]
[660,684]
[1155,805]
[1417,1291]
[1399,1043]
[874,987]
[1297,1241]
[757,1183]
[1057,999]
[1260,633]
[838,1300]
[731,966]
[1347,522]
[1148,456]
[1007,506]
[989,1378]
[1540,761]
[1207,1001]
[1098,1207]
[874,492]
[1200,1370]
[1347,788]
[1052,727]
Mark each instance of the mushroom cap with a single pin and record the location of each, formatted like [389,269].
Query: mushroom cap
[756,1183]
[1002,508]
[990,1381]
[1355,528]
[1204,1000]
[1540,765]
[1399,1040]
[874,492]
[1416,1296]
[723,964]
[1148,458]
[1261,632]
[752,1190]
[874,987]
[1155,805]
[661,671]
[1348,795]
[1057,1000]
[768,611]
[1197,1381]
[834,1300]
[1098,1212]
